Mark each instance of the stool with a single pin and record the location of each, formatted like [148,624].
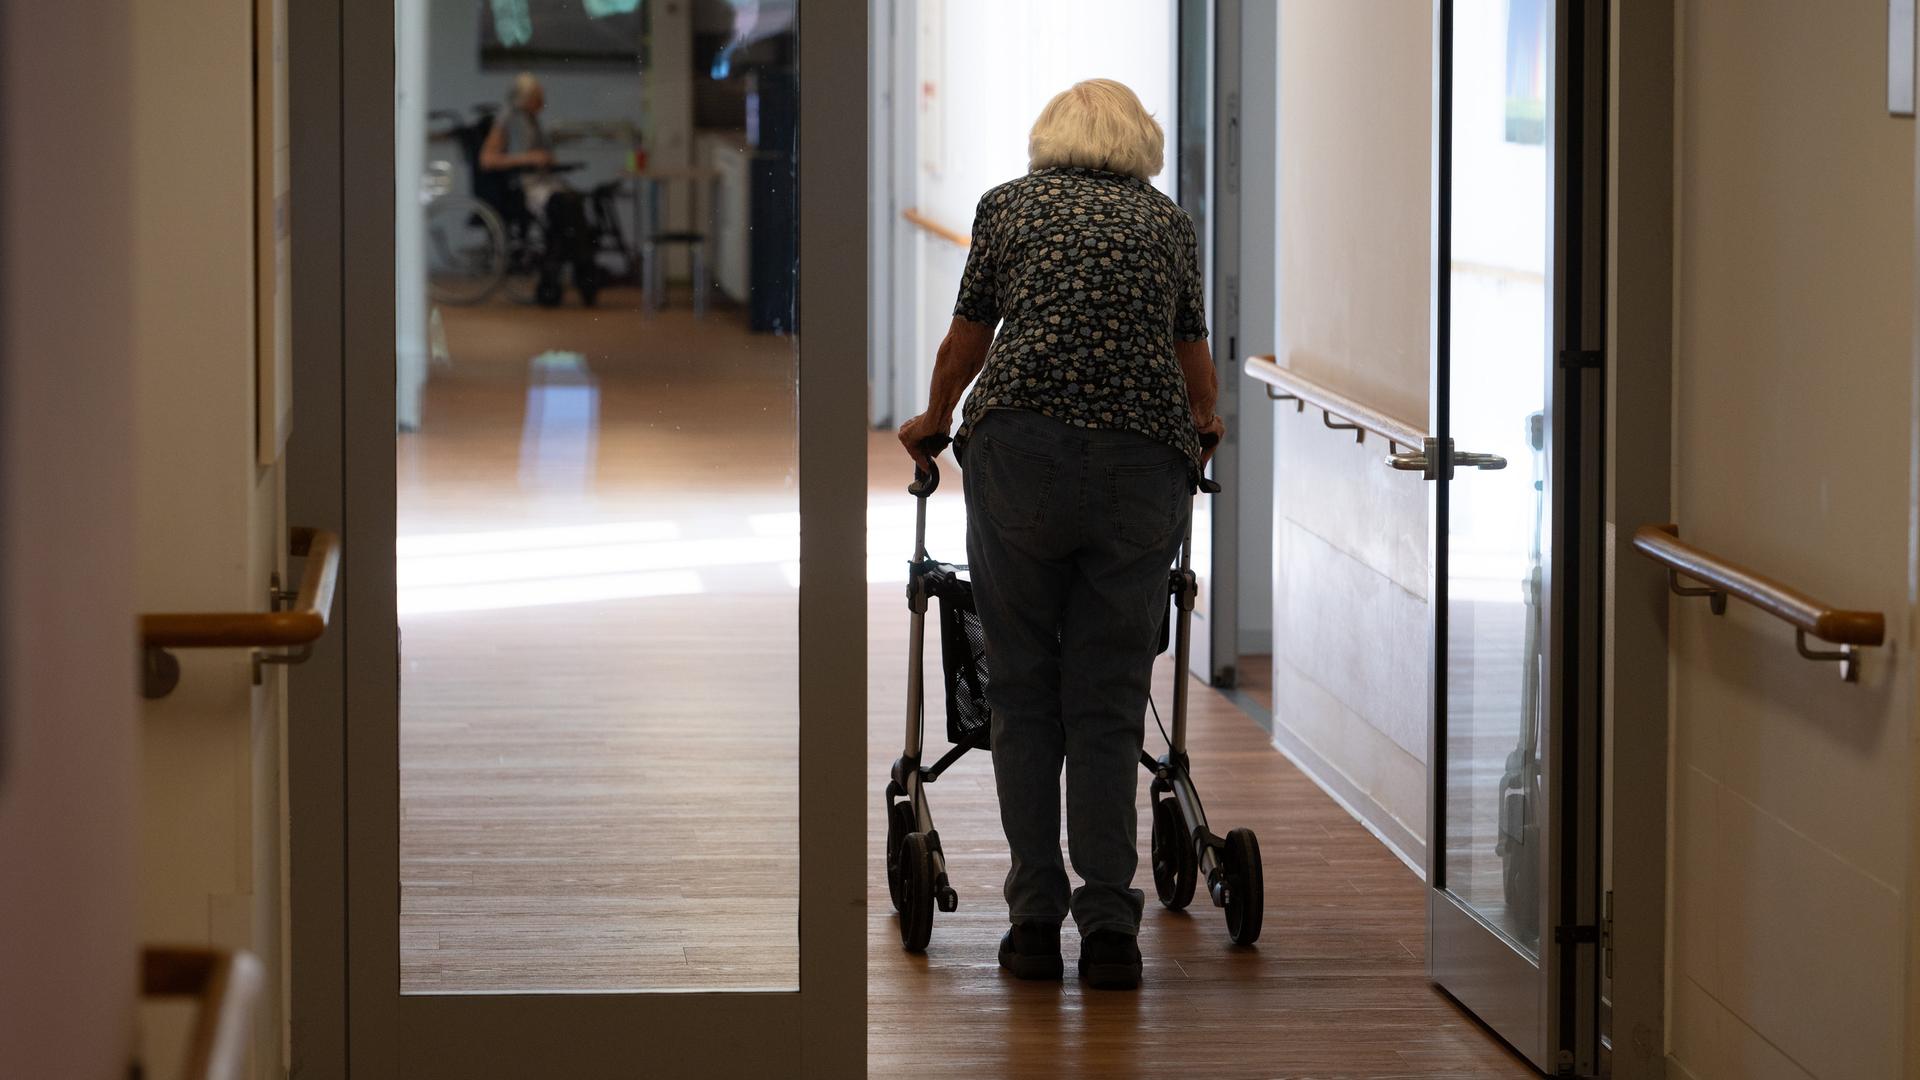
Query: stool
[654,282]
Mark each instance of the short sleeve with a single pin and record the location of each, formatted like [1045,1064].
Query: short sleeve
[1190,288]
[980,283]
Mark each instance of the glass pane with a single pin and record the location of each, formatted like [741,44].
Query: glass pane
[1497,539]
[598,516]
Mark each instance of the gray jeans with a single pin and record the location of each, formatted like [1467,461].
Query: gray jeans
[1070,535]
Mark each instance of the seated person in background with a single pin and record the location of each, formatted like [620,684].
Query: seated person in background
[517,145]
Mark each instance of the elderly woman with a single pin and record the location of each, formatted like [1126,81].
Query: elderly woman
[1080,445]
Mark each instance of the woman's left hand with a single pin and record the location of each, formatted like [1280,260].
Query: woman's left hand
[918,430]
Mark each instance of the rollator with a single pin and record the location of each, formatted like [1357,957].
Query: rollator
[1184,850]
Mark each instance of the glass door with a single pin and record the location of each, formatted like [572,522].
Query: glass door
[1514,866]
[604,779]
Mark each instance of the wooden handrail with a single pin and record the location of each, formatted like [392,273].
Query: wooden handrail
[1663,545]
[934,228]
[301,624]
[227,985]
[1850,630]
[1286,385]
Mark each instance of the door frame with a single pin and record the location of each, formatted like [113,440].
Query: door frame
[1639,446]
[345,928]
[1547,1006]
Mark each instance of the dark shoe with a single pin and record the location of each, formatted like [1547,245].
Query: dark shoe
[1032,951]
[1110,960]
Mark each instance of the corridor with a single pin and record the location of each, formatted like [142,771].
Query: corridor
[1336,985]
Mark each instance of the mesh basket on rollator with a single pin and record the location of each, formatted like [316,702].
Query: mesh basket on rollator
[963,662]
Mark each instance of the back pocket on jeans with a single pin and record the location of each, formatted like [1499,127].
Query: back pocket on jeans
[1144,503]
[1015,484]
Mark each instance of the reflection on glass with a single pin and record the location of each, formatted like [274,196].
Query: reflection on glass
[1502,205]
[597,561]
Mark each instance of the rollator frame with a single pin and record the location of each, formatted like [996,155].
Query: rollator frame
[1171,775]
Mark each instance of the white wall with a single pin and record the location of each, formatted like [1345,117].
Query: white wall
[69,731]
[994,64]
[1349,536]
[1793,444]
[209,526]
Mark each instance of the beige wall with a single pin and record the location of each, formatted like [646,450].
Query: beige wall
[208,522]
[69,737]
[1350,577]
[1794,300]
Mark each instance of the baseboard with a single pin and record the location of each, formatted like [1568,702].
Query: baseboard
[1385,828]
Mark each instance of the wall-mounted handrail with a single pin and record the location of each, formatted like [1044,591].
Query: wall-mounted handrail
[933,228]
[1721,578]
[1286,385]
[295,627]
[227,985]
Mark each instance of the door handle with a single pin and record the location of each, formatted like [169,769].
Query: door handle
[1422,461]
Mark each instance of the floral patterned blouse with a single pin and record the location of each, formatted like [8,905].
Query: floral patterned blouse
[1092,277]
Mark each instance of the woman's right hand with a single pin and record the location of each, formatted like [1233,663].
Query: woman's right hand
[918,430]
[1215,427]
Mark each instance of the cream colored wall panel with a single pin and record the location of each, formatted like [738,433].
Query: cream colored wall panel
[1695,883]
[210,530]
[69,725]
[1788,736]
[1356,633]
[1746,1055]
[1794,421]
[1391,783]
[1343,492]
[1697,1029]
[1808,946]
[1355,110]
[1353,274]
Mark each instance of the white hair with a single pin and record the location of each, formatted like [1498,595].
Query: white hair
[524,84]
[1098,124]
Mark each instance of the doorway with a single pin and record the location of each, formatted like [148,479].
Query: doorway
[596,800]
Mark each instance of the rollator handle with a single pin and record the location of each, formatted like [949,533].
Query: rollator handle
[1208,440]
[926,481]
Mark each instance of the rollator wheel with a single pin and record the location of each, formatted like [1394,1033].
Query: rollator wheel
[916,914]
[1246,898]
[899,823]
[1175,870]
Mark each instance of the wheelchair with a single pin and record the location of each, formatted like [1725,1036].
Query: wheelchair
[490,238]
